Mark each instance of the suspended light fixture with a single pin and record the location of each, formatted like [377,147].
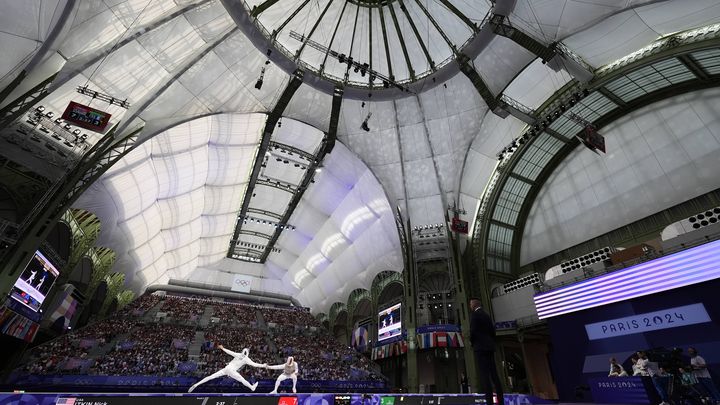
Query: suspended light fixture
[259,83]
[364,126]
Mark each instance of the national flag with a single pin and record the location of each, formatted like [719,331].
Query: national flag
[442,340]
[65,401]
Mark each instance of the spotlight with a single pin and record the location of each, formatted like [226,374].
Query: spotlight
[341,58]
[318,170]
[386,84]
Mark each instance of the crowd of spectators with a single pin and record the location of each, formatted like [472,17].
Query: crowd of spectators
[236,339]
[141,305]
[321,357]
[149,351]
[290,316]
[141,348]
[53,356]
[235,313]
[186,309]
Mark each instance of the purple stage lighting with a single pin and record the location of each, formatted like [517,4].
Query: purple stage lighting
[691,266]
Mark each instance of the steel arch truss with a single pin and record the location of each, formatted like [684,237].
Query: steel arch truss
[680,63]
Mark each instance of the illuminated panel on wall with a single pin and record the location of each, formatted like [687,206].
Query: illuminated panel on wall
[692,266]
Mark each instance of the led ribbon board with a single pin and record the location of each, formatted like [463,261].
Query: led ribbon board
[691,266]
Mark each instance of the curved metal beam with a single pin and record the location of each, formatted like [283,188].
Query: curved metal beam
[332,39]
[140,106]
[417,35]
[56,34]
[294,13]
[385,41]
[679,48]
[312,30]
[460,15]
[262,7]
[398,31]
[270,125]
[263,41]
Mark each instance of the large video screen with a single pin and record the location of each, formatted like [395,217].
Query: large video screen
[35,282]
[389,323]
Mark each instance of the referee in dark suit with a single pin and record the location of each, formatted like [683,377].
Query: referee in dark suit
[482,337]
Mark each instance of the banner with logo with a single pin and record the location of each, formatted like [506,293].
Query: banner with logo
[241,283]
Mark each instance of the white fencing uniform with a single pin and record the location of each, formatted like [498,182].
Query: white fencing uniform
[231,369]
[290,370]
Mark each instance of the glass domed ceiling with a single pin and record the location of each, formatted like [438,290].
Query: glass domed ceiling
[346,40]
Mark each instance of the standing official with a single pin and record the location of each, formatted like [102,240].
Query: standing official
[482,337]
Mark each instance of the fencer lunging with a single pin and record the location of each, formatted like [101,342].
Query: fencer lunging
[290,370]
[231,369]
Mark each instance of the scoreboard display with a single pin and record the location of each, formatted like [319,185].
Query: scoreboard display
[86,117]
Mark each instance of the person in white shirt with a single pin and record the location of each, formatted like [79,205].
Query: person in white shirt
[290,370]
[642,365]
[701,372]
[231,369]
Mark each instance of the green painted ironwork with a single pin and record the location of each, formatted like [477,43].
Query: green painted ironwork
[605,99]
[114,282]
[356,296]
[335,310]
[123,298]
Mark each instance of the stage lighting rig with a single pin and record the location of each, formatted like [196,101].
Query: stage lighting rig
[84,90]
[362,68]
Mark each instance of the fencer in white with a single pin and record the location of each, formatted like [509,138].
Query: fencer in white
[231,369]
[32,277]
[290,370]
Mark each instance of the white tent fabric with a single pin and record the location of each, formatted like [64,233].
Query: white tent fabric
[658,157]
[169,205]
[26,26]
[179,60]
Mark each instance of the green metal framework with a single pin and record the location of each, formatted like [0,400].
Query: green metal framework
[356,296]
[123,298]
[335,310]
[381,281]
[321,317]
[85,229]
[115,283]
[102,259]
[683,62]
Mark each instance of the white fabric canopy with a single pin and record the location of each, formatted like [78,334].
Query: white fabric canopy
[172,203]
